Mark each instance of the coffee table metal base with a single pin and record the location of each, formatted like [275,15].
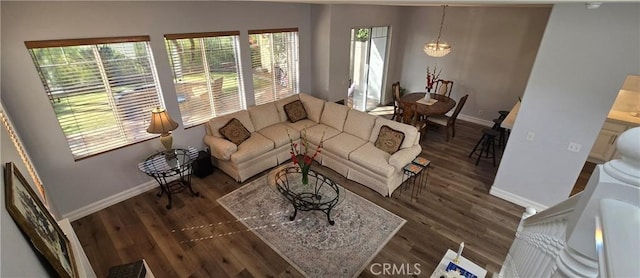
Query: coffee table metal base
[308,206]
[321,194]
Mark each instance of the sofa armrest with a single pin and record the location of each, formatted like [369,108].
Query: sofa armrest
[220,148]
[404,156]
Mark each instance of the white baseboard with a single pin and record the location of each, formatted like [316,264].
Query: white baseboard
[516,199]
[475,120]
[111,200]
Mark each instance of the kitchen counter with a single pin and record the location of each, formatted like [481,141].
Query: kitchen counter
[623,117]
[511,118]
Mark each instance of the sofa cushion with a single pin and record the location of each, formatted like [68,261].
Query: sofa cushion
[410,132]
[278,134]
[334,115]
[295,111]
[373,159]
[302,124]
[235,132]
[216,123]
[264,115]
[314,133]
[280,106]
[359,123]
[389,139]
[253,147]
[343,144]
[313,106]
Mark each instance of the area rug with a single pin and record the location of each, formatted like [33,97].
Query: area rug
[309,243]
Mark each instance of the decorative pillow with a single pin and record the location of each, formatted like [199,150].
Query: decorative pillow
[389,139]
[235,132]
[295,111]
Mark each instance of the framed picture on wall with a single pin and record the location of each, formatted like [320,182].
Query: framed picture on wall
[37,223]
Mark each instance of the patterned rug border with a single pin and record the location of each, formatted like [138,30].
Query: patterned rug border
[364,266]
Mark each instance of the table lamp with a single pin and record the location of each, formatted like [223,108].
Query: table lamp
[162,124]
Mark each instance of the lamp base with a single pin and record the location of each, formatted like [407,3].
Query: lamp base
[167,141]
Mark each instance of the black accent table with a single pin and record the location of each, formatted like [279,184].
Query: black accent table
[167,164]
[320,194]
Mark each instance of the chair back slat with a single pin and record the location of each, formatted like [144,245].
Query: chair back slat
[454,116]
[444,87]
[396,91]
[408,113]
[397,106]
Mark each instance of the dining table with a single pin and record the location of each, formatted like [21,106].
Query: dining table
[441,106]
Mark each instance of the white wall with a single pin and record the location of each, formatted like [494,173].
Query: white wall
[581,65]
[18,259]
[75,184]
[320,51]
[340,19]
[493,49]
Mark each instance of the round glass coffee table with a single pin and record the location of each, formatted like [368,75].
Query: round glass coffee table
[320,193]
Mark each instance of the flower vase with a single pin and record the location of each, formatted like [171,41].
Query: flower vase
[427,97]
[305,175]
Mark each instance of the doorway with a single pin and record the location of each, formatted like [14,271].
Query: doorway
[367,66]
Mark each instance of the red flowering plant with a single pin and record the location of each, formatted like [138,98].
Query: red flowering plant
[432,77]
[300,154]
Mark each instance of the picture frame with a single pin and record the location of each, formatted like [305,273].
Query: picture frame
[37,223]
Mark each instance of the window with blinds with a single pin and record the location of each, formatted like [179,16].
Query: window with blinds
[206,73]
[102,90]
[274,63]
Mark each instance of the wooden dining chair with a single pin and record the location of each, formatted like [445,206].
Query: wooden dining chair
[397,105]
[444,87]
[411,117]
[447,123]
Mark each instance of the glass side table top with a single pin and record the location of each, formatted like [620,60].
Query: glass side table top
[168,162]
[163,166]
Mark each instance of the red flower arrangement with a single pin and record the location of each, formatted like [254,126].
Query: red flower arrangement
[432,77]
[301,157]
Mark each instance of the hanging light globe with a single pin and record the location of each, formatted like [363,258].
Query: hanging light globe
[437,48]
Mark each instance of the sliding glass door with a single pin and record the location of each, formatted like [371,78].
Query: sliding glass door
[367,64]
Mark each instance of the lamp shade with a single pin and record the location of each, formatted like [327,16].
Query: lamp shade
[161,122]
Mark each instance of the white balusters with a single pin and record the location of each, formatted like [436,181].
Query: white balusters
[559,241]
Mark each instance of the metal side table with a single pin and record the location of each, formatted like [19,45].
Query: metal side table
[172,170]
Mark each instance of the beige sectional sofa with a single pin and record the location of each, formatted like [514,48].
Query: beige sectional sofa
[349,137]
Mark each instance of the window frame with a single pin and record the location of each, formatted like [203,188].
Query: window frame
[171,39]
[272,31]
[84,150]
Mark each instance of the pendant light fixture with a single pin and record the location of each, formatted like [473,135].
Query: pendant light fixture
[438,48]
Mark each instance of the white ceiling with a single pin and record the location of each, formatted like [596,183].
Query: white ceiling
[463,3]
[447,2]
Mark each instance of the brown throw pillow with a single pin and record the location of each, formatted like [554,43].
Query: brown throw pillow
[295,111]
[235,132]
[389,139]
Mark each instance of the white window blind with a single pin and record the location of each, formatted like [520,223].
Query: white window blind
[274,62]
[206,73]
[102,90]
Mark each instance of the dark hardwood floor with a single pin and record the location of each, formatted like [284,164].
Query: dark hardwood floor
[583,178]
[454,207]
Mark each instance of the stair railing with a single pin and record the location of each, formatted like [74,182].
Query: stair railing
[561,241]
